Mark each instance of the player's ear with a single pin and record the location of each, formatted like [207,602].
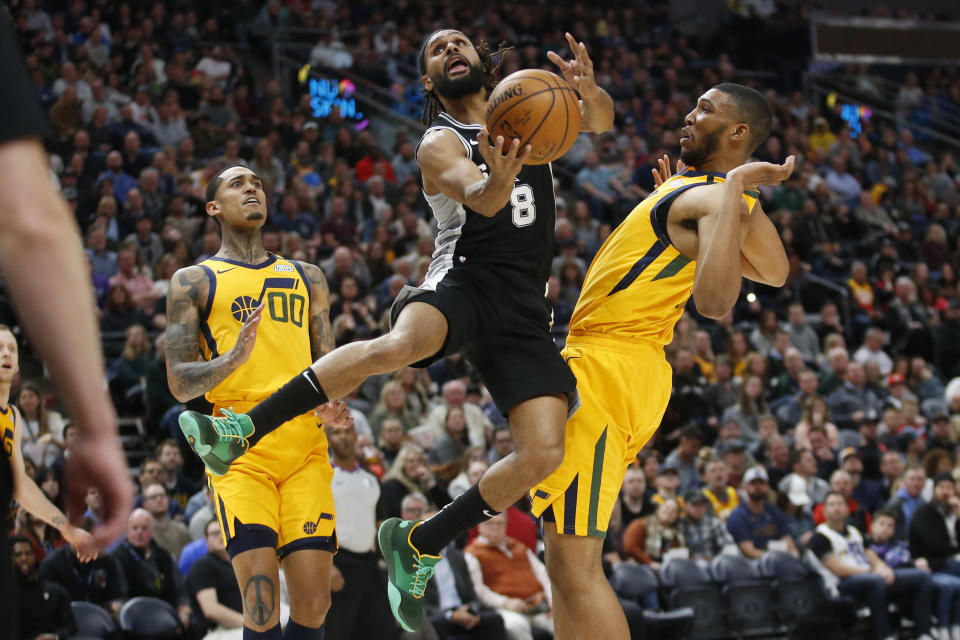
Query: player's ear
[741,132]
[426,82]
[213,209]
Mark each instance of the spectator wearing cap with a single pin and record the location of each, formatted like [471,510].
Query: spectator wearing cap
[722,497]
[684,458]
[866,492]
[646,540]
[908,499]
[803,465]
[668,485]
[757,521]
[704,533]
[795,503]
[840,482]
[898,389]
[934,531]
[849,403]
[872,351]
[938,434]
[802,335]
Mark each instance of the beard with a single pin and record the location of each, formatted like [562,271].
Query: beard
[461,86]
[698,155]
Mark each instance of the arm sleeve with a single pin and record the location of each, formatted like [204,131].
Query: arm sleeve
[819,545]
[20,113]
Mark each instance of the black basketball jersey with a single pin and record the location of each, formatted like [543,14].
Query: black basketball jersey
[516,244]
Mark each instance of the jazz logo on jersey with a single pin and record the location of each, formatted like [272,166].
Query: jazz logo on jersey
[310,528]
[283,304]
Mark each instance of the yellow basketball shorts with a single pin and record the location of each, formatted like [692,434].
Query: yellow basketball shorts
[278,494]
[624,389]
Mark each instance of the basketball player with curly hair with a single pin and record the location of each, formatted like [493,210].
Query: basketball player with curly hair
[483,296]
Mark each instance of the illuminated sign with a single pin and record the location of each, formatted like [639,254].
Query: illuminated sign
[853,114]
[327,94]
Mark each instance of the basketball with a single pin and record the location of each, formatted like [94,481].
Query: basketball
[537,107]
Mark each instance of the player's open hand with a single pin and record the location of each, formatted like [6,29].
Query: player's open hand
[579,71]
[247,337]
[82,542]
[754,174]
[335,413]
[502,163]
[662,174]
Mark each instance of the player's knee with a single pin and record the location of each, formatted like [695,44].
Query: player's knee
[542,460]
[312,610]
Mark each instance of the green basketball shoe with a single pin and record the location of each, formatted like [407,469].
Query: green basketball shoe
[407,571]
[218,441]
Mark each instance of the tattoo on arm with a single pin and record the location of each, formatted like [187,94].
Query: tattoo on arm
[189,377]
[259,599]
[58,521]
[321,333]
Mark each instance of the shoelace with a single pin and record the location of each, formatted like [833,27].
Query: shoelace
[420,578]
[228,426]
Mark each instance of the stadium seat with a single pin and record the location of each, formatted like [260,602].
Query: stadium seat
[92,621]
[799,592]
[146,618]
[638,583]
[751,609]
[689,585]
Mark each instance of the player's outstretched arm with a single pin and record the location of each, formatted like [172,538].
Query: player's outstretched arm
[596,112]
[446,168]
[41,255]
[763,257]
[188,376]
[28,494]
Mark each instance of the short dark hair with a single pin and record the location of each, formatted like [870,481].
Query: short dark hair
[884,513]
[210,194]
[835,493]
[20,538]
[753,107]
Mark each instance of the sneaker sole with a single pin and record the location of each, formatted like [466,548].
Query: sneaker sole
[191,430]
[394,594]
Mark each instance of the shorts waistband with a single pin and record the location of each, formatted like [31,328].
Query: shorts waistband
[605,341]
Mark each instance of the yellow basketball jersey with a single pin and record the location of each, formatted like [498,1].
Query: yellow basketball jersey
[8,422]
[638,283]
[282,349]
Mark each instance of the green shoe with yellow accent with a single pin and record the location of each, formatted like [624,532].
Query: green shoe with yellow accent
[407,571]
[218,441]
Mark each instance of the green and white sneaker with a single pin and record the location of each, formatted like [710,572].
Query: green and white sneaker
[218,441]
[407,571]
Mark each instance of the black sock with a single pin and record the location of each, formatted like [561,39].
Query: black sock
[273,633]
[296,631]
[299,396]
[463,514]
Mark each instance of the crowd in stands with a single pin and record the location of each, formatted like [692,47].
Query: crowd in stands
[818,418]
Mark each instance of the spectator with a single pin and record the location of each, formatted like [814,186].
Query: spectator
[667,483]
[632,503]
[42,438]
[179,487]
[409,474]
[795,503]
[122,182]
[705,534]
[756,522]
[861,574]
[934,529]
[684,458]
[134,280]
[872,351]
[451,603]
[858,517]
[214,593]
[99,581]
[897,555]
[455,396]
[802,335]
[907,499]
[647,539]
[815,416]
[45,612]
[722,497]
[169,534]
[149,569]
[508,577]
[749,408]
[392,405]
[849,403]
[866,492]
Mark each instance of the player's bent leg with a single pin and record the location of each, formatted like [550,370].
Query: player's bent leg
[259,579]
[563,628]
[538,427]
[307,572]
[419,333]
[576,574]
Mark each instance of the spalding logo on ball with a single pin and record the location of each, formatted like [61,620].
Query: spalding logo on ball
[537,107]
